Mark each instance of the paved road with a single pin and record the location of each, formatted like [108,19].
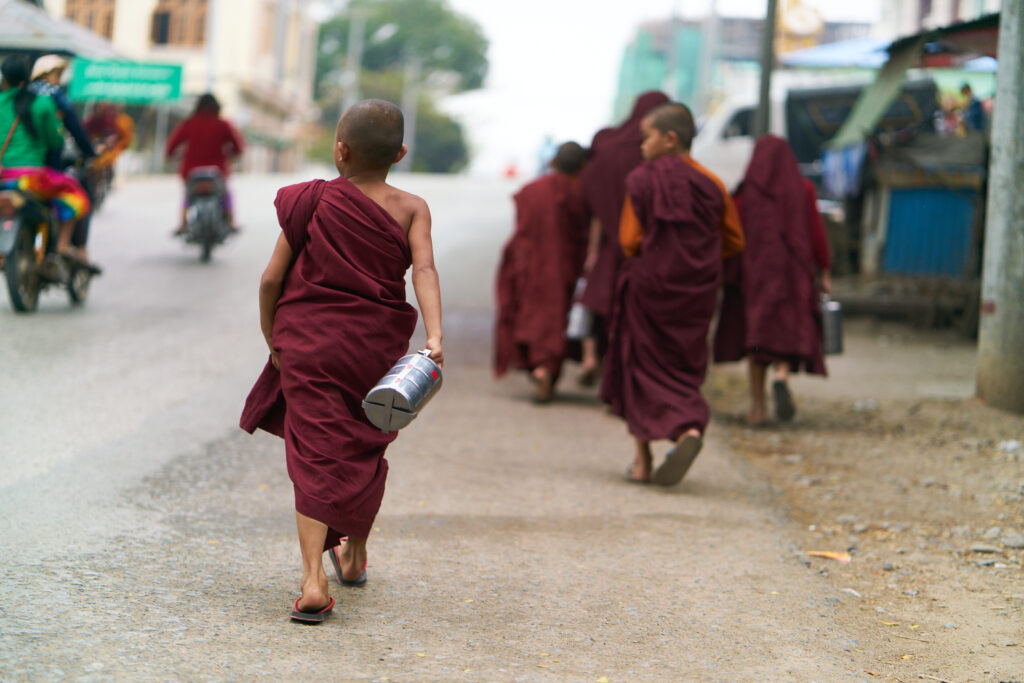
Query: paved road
[143,536]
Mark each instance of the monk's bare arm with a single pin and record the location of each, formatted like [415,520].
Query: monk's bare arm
[271,285]
[424,277]
[593,244]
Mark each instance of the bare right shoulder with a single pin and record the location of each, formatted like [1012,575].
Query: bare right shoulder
[406,208]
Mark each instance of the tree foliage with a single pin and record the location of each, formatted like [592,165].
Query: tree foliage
[443,41]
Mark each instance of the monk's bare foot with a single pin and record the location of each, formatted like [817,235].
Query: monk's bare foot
[352,555]
[314,594]
[642,463]
[755,418]
[545,388]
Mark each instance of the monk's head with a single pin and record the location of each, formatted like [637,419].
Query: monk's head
[569,159]
[668,129]
[369,137]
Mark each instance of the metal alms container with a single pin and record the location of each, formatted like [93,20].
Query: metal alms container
[831,326]
[403,392]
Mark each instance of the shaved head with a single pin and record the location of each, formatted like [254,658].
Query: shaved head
[676,118]
[373,130]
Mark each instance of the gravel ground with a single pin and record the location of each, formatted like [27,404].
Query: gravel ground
[892,461]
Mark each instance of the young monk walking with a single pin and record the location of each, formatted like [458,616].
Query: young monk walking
[677,223]
[770,309]
[539,268]
[334,314]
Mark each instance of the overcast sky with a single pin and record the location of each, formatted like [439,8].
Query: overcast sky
[554,67]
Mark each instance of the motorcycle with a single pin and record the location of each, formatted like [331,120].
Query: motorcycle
[206,218]
[28,255]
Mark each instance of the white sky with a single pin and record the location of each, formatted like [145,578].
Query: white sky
[554,67]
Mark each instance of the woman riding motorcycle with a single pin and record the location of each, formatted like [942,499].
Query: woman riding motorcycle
[30,129]
[209,140]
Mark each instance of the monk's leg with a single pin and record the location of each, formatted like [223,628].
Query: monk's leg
[785,409]
[757,373]
[590,363]
[642,461]
[353,558]
[314,581]
[545,384]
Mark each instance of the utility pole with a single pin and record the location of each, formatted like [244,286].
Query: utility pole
[707,61]
[410,105]
[762,123]
[211,44]
[1001,331]
[354,58]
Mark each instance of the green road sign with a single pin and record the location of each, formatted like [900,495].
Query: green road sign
[130,82]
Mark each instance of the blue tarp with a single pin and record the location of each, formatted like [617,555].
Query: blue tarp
[865,53]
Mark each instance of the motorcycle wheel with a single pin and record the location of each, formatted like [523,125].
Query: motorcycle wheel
[78,284]
[22,271]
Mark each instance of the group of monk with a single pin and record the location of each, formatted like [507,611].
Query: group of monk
[645,224]
[660,246]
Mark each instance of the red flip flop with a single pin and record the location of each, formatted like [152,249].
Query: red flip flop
[311,617]
[336,561]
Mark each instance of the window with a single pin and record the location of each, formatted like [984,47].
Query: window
[740,125]
[179,22]
[161,28]
[95,15]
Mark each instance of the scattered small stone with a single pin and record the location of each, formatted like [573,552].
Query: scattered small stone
[808,482]
[1000,565]
[850,591]
[860,528]
[1012,539]
[887,566]
[865,405]
[910,592]
[902,551]
[962,531]
[1010,446]
[951,625]
[982,548]
[986,563]
[846,519]
[793,459]
[992,533]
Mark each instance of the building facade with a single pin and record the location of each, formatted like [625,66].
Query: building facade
[700,62]
[256,56]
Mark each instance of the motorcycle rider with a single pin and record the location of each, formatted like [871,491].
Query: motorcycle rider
[47,73]
[30,129]
[209,140]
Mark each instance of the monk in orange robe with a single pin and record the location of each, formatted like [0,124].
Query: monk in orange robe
[678,222]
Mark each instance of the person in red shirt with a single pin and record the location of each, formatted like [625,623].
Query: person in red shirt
[209,140]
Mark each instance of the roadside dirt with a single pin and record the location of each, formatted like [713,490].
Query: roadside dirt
[891,461]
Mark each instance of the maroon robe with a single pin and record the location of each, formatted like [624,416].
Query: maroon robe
[614,154]
[657,355]
[770,309]
[341,322]
[539,268]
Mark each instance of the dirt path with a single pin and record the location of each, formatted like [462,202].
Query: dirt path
[892,461]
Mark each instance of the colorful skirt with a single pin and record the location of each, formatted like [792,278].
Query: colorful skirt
[62,191]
